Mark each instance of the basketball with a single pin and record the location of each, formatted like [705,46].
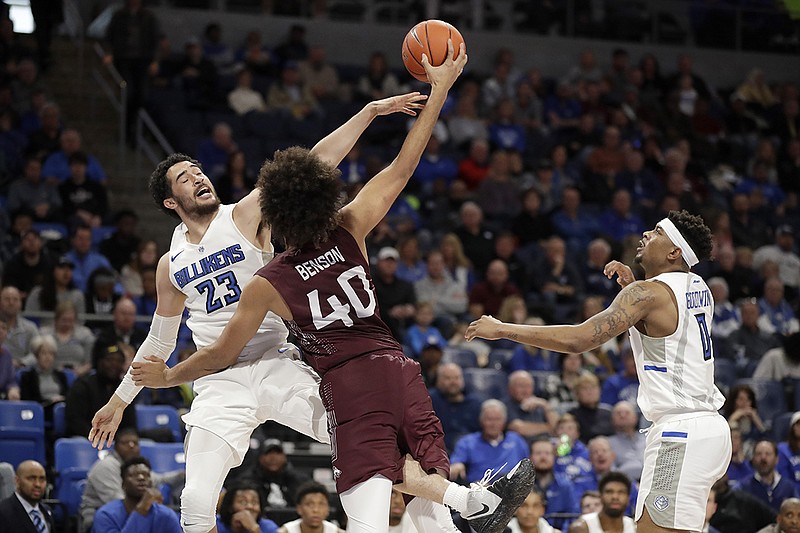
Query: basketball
[429,38]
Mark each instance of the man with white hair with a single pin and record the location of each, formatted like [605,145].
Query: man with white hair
[726,317]
[56,166]
[489,448]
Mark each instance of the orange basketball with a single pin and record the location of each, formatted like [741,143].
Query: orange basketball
[429,38]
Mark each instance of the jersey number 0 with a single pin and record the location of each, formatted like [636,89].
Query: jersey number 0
[339,310]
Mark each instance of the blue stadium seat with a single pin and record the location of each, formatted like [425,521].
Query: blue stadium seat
[59,419]
[158,416]
[486,382]
[21,432]
[74,457]
[499,359]
[724,374]
[267,125]
[163,457]
[770,396]
[463,358]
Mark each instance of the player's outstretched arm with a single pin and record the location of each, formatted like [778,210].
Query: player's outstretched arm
[631,305]
[257,298]
[374,200]
[160,342]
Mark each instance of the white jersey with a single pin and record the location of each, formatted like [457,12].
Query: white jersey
[676,372]
[593,522]
[542,524]
[294,526]
[212,274]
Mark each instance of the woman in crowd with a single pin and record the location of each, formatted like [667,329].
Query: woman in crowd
[456,261]
[73,341]
[43,382]
[131,274]
[741,411]
[57,287]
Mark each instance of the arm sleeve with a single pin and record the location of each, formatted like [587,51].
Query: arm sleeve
[160,341]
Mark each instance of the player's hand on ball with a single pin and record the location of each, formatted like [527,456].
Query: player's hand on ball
[486,327]
[150,373]
[407,103]
[446,73]
[623,272]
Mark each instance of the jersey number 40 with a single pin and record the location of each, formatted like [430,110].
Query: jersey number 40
[342,311]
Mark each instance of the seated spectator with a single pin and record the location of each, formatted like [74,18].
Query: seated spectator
[788,518]
[572,223]
[243,98]
[776,313]
[750,342]
[123,328]
[606,161]
[433,166]
[396,297]
[446,295]
[505,131]
[197,76]
[782,362]
[256,56]
[499,194]
[740,467]
[759,181]
[594,418]
[456,261]
[9,389]
[24,509]
[104,480]
[56,288]
[486,296]
[421,333]
[213,153]
[241,510]
[215,49]
[101,296]
[57,166]
[465,124]
[478,452]
[291,94]
[738,510]
[146,256]
[530,515]
[313,506]
[91,392]
[789,451]
[557,281]
[531,225]
[528,415]
[74,342]
[639,181]
[627,442]
[21,331]
[726,315]
[83,200]
[457,411]
[319,75]
[378,82]
[142,509]
[620,221]
[530,358]
[598,254]
[146,302]
[399,520]
[46,139]
[572,454]
[615,491]
[474,168]
[237,181]
[84,258]
[122,245]
[43,383]
[590,502]
[30,266]
[782,254]
[277,480]
[33,193]
[766,483]
[624,385]
[559,490]
[476,238]
[741,411]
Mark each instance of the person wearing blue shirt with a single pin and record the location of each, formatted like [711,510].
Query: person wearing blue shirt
[489,448]
[789,452]
[57,164]
[766,483]
[422,333]
[526,357]
[433,166]
[140,511]
[241,509]
[620,221]
[572,455]
[458,412]
[624,385]
[562,497]
[739,468]
[85,260]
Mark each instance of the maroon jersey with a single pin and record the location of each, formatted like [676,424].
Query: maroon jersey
[332,298]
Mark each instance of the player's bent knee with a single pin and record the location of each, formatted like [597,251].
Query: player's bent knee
[197,510]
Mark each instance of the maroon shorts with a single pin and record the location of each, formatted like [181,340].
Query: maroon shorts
[378,411]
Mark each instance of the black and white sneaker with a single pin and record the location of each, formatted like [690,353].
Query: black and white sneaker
[491,506]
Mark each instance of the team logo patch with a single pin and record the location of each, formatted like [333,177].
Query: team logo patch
[336,473]
[661,502]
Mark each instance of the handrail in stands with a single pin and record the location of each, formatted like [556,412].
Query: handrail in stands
[145,122]
[118,103]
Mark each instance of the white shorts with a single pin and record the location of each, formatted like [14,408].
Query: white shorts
[683,457]
[233,402]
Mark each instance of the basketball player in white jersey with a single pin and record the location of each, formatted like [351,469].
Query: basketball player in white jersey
[615,491]
[668,316]
[214,252]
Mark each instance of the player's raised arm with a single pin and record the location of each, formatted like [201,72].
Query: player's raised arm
[631,305]
[374,200]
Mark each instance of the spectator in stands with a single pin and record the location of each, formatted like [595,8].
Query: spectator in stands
[313,506]
[241,510]
[573,223]
[74,341]
[789,451]
[320,76]
[378,82]
[499,86]
[605,162]
[786,124]
[562,111]
[747,230]
[6,480]
[43,382]
[410,266]
[531,225]
[25,82]
[624,385]
[46,139]
[741,410]
[91,391]
[142,509]
[396,297]
[474,168]
[216,50]
[478,452]
[213,152]
[506,131]
[123,328]
[448,297]
[120,247]
[758,181]
[294,47]
[476,238]
[499,194]
[457,411]
[255,55]
[198,77]
[557,280]
[83,200]
[456,261]
[83,257]
[433,166]
[766,483]
[530,515]
[486,296]
[739,511]
[21,331]
[9,389]
[782,362]
[615,491]
[31,192]
[559,490]
[237,181]
[465,124]
[572,454]
[788,519]
[24,508]
[100,296]
[781,253]
[627,442]
[243,98]
[594,418]
[145,256]
[277,480]
[740,467]
[429,361]
[776,313]
[104,480]
[586,69]
[590,502]
[748,343]
[399,520]
[528,415]
[532,359]
[620,221]
[10,240]
[30,266]
[726,315]
[598,254]
[422,333]
[58,167]
[291,94]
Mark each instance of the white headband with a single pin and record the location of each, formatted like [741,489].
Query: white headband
[677,239]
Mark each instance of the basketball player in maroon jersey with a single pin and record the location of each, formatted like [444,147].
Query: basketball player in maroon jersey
[379,413]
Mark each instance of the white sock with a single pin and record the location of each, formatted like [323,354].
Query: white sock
[456,497]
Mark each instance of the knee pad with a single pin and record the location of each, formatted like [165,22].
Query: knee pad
[197,510]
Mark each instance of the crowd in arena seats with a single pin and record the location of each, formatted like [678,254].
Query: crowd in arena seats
[527,188]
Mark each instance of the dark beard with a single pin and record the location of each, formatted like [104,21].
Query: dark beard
[195,210]
[614,513]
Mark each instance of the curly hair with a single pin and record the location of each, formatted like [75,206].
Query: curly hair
[695,231]
[159,185]
[226,506]
[300,197]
